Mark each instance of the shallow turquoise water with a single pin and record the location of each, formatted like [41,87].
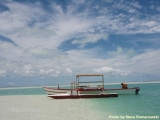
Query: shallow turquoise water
[25,91]
[145,104]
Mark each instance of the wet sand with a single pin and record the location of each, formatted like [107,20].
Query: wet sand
[40,107]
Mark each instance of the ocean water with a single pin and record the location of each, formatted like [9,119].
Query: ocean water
[33,104]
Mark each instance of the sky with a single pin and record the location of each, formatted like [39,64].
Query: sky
[48,42]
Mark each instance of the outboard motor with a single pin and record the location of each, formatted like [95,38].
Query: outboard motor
[137,90]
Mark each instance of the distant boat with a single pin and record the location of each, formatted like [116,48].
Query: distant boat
[80,90]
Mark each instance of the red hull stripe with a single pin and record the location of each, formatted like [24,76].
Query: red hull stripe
[84,96]
[91,89]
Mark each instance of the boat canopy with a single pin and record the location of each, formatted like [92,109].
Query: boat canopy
[90,75]
[79,83]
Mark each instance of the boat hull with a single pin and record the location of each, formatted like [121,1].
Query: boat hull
[90,91]
[63,96]
[122,91]
[53,91]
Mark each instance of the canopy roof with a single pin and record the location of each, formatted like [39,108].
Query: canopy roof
[90,75]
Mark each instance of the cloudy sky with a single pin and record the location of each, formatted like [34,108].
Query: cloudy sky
[45,41]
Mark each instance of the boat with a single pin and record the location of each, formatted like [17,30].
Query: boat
[80,89]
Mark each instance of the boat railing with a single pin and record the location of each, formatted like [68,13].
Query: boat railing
[98,84]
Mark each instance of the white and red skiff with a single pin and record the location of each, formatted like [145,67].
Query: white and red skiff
[79,91]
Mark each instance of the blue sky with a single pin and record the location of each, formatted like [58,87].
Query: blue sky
[48,42]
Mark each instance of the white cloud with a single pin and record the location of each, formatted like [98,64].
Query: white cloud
[3,73]
[122,51]
[119,50]
[30,26]
[9,51]
[136,5]
[42,52]
[90,38]
[27,37]
[38,39]
[49,72]
[28,70]
[18,16]
[112,71]
[68,71]
[47,29]
[149,23]
[5,45]
[146,63]
[11,84]
[83,61]
[132,11]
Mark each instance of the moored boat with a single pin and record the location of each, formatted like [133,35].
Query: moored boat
[79,90]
